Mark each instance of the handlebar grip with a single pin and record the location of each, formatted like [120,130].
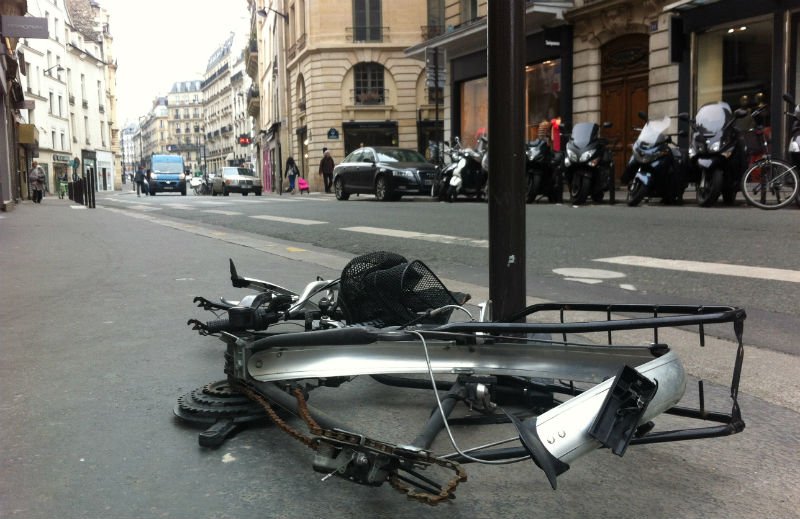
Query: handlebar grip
[218,325]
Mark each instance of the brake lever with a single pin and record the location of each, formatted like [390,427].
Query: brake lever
[205,304]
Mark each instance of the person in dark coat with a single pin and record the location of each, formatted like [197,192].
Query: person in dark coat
[326,169]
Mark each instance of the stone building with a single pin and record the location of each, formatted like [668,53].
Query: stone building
[334,75]
[186,122]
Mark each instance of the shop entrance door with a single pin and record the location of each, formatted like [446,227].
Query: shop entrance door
[624,93]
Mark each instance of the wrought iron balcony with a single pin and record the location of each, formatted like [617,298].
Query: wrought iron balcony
[367,34]
[372,96]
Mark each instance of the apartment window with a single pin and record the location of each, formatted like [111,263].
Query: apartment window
[63,141]
[86,127]
[369,84]
[53,139]
[50,108]
[60,106]
[103,133]
[99,93]
[469,10]
[49,61]
[55,29]
[83,86]
[367,20]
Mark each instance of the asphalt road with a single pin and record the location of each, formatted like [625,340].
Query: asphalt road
[95,353]
[453,240]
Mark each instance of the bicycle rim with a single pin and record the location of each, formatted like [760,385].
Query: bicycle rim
[770,184]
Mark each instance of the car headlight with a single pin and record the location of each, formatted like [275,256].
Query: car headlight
[587,155]
[403,173]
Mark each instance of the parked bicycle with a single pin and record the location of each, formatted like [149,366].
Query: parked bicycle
[771,183]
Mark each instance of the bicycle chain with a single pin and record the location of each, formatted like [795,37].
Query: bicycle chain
[342,439]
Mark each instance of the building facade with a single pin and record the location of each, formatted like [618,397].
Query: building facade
[334,75]
[186,122]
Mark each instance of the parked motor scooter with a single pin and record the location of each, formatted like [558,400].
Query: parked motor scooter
[544,170]
[465,176]
[657,165]
[589,165]
[717,153]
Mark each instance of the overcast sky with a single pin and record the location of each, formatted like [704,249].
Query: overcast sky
[158,42]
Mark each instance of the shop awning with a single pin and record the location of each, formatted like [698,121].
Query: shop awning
[471,36]
[685,5]
[28,134]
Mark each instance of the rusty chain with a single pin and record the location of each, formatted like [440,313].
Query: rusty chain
[343,439]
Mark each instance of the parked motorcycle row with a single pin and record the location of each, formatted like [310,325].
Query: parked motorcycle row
[715,161]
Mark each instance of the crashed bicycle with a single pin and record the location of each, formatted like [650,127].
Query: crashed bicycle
[542,370]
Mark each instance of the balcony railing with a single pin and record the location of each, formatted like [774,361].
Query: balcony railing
[367,34]
[372,96]
[301,105]
[431,31]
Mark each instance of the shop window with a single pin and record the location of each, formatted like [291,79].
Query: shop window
[543,95]
[734,64]
[474,110]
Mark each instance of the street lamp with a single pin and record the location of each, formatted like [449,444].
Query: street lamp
[58,68]
[263,12]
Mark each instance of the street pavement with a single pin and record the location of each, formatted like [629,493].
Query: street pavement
[95,352]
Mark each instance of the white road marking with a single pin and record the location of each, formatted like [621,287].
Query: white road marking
[626,286]
[438,238]
[222,211]
[722,269]
[180,206]
[283,219]
[77,207]
[588,281]
[588,273]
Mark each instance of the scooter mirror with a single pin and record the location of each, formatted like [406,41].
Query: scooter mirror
[643,116]
[789,98]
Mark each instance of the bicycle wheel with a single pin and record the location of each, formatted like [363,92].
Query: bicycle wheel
[770,184]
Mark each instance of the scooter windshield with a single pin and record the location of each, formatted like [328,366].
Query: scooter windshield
[654,132]
[584,133]
[711,118]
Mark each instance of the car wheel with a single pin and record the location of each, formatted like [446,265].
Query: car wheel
[338,189]
[257,193]
[382,189]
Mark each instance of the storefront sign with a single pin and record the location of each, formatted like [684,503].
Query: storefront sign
[61,158]
[333,133]
[24,27]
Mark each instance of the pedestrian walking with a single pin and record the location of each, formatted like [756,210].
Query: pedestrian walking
[62,184]
[326,169]
[141,182]
[291,173]
[36,178]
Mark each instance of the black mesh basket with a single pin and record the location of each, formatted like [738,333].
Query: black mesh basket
[385,287]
